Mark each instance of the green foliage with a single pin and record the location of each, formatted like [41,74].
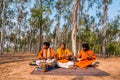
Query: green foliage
[113,49]
[43,15]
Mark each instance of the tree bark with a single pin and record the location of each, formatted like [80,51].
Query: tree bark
[58,28]
[79,25]
[55,38]
[41,28]
[30,45]
[15,45]
[74,24]
[20,14]
[2,29]
[104,24]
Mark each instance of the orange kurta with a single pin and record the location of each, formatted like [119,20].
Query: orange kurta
[48,53]
[60,53]
[84,62]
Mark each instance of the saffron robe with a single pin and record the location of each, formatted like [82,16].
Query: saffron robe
[61,55]
[46,53]
[86,58]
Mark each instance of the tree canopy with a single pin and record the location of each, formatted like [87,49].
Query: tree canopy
[26,24]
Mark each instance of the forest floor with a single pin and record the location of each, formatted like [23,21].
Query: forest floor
[16,67]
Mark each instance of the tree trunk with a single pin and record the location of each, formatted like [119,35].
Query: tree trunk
[20,14]
[40,38]
[104,24]
[2,29]
[58,28]
[55,38]
[41,28]
[74,24]
[30,40]
[15,45]
[79,26]
[18,44]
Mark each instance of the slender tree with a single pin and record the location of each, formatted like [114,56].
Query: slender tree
[74,25]
[104,27]
[2,28]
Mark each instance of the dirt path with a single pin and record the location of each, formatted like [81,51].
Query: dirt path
[16,67]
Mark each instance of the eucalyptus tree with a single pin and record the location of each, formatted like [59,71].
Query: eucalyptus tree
[63,17]
[59,10]
[74,25]
[80,14]
[39,13]
[2,21]
[104,26]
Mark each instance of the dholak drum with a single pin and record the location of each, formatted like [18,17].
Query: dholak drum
[43,66]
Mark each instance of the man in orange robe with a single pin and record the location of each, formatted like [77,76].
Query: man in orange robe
[46,52]
[86,57]
[63,55]
[46,55]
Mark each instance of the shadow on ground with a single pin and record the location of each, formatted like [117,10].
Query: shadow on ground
[10,58]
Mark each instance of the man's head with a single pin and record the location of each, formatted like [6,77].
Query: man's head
[62,45]
[46,45]
[85,46]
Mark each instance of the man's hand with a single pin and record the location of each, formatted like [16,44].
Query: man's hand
[44,58]
[63,56]
[67,57]
[74,58]
[88,57]
[50,58]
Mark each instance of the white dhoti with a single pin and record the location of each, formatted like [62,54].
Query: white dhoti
[65,65]
[50,62]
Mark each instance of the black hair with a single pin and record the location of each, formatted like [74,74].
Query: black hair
[62,43]
[47,44]
[86,46]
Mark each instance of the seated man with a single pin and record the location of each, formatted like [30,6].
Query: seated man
[86,57]
[46,57]
[63,55]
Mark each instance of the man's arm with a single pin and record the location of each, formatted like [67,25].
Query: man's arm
[52,53]
[40,55]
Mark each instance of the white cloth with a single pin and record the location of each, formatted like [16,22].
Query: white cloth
[48,61]
[65,65]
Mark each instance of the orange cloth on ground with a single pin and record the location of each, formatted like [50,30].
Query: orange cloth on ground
[48,53]
[84,62]
[60,53]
